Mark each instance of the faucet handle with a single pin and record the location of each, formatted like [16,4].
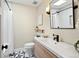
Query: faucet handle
[54,34]
[56,37]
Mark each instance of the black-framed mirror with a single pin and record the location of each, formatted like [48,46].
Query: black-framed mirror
[62,14]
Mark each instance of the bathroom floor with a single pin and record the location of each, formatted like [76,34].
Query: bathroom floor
[22,53]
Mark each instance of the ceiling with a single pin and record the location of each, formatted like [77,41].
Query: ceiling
[27,2]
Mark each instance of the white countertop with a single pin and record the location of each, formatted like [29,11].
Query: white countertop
[60,49]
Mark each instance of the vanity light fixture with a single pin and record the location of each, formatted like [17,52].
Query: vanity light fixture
[59,2]
[48,9]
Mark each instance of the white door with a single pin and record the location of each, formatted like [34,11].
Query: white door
[0,36]
[6,29]
[0,28]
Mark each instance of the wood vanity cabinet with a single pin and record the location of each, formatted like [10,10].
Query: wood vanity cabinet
[42,52]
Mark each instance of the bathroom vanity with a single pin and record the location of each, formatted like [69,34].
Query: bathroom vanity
[48,48]
[42,52]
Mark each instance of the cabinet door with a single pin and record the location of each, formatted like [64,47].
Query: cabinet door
[42,52]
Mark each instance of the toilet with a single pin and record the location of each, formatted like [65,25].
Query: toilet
[29,49]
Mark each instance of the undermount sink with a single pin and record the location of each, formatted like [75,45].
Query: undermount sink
[61,49]
[48,41]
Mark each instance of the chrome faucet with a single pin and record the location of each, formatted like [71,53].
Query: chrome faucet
[56,37]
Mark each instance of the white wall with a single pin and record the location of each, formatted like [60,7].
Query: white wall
[24,24]
[25,18]
[68,35]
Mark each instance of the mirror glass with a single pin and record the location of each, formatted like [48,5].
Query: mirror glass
[62,14]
